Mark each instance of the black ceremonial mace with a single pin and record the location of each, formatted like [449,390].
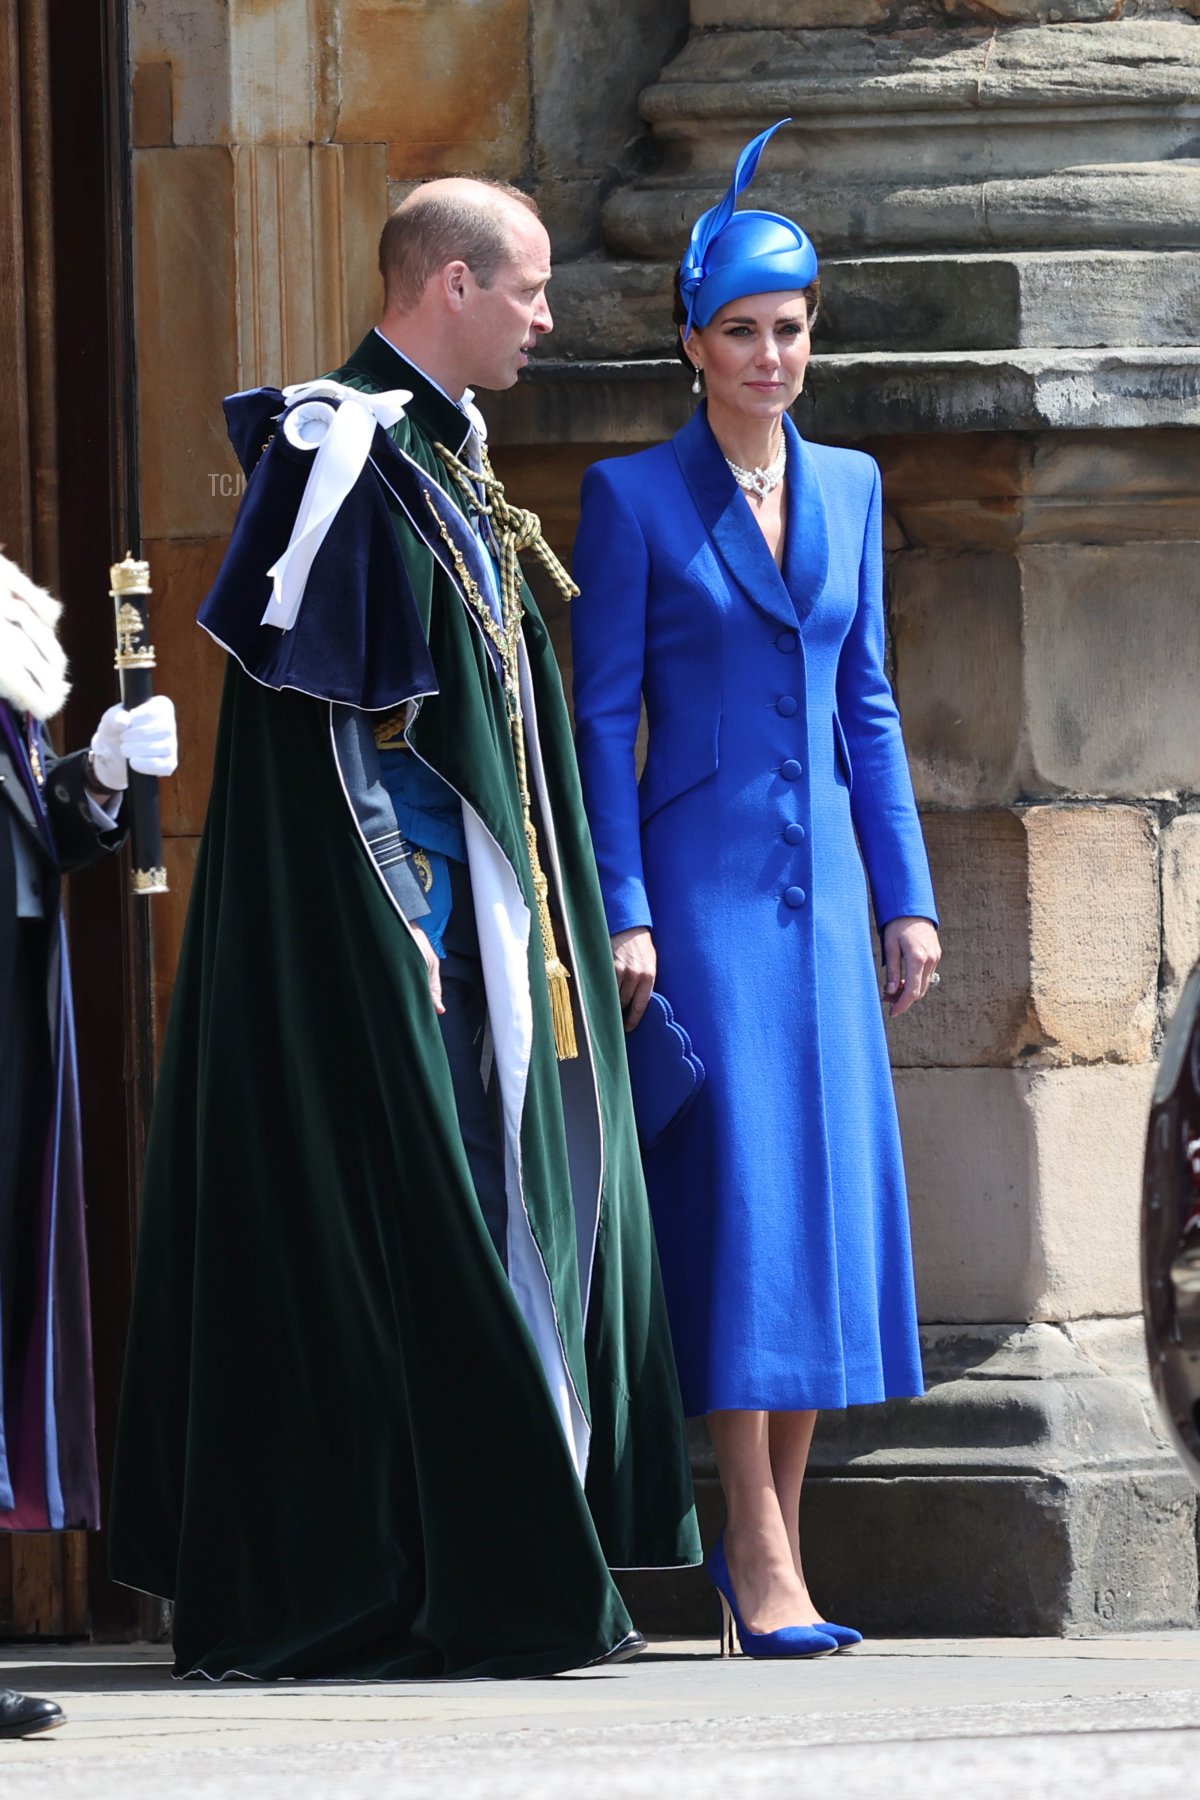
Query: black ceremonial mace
[135,664]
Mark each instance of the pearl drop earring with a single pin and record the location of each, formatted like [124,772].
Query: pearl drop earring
[697,382]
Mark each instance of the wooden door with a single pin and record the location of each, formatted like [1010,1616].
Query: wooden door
[67,508]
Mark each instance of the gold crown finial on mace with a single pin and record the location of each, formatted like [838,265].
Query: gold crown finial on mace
[129,577]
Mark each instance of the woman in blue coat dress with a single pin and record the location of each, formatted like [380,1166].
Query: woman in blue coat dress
[732,580]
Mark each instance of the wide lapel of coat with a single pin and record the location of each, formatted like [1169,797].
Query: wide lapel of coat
[806,540]
[732,526]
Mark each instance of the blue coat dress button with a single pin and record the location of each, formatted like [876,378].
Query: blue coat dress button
[794,896]
[793,834]
[786,641]
[791,770]
[786,705]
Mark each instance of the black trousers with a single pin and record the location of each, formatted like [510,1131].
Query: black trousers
[26,1098]
[464,1024]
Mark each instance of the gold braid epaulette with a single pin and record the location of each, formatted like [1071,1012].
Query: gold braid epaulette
[515,530]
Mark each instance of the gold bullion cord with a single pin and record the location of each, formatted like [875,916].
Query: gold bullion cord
[515,530]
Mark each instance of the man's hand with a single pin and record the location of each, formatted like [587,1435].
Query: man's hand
[144,740]
[911,954]
[432,965]
[636,963]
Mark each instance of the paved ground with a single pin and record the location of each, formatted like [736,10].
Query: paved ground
[999,1719]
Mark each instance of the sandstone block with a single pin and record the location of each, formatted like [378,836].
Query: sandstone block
[1024,1188]
[1035,12]
[1093,929]
[956,633]
[609,308]
[787,15]
[984,1010]
[187,330]
[966,492]
[152,122]
[1112,668]
[192,43]
[1021,300]
[280,79]
[1061,669]
[1147,484]
[988,490]
[447,88]
[1033,904]
[352,207]
[1181,903]
[309,218]
[610,403]
[853,396]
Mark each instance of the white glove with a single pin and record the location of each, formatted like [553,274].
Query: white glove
[144,739]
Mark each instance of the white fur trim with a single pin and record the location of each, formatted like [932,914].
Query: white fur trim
[33,667]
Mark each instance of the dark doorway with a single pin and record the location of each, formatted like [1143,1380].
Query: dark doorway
[67,510]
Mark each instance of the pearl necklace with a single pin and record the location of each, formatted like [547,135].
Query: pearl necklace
[760,481]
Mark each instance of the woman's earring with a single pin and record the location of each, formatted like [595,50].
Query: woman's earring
[697,381]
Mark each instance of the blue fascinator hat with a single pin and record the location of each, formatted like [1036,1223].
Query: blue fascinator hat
[733,253]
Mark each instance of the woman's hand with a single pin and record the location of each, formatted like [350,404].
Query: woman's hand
[911,952]
[636,964]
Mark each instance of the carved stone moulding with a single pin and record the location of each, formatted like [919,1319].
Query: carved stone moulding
[967,138]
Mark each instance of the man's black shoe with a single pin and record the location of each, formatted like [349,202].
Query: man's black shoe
[21,1714]
[631,1645]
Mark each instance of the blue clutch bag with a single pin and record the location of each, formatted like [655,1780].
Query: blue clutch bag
[664,1071]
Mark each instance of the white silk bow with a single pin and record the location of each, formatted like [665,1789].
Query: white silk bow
[338,424]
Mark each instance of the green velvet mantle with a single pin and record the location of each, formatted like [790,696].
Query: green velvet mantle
[337,1452]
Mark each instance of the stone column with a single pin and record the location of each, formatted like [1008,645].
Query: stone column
[1008,205]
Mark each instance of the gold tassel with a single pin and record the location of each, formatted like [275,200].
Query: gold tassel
[558,976]
[517,530]
[560,1012]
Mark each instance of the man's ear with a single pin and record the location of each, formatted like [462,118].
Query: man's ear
[455,279]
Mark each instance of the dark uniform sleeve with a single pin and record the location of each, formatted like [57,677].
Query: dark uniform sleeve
[78,837]
[358,759]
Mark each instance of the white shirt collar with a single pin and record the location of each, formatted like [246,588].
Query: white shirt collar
[466,405]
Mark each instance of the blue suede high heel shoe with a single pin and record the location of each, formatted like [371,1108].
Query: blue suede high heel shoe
[790,1640]
[843,1635]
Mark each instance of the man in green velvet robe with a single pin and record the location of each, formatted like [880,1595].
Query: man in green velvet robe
[399,1389]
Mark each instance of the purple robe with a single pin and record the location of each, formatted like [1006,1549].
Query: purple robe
[48,1476]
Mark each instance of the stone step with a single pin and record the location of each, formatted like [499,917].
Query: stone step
[984,301]
[848,397]
[1080,134]
[1132,201]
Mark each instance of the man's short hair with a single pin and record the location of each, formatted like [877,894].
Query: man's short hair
[422,236]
